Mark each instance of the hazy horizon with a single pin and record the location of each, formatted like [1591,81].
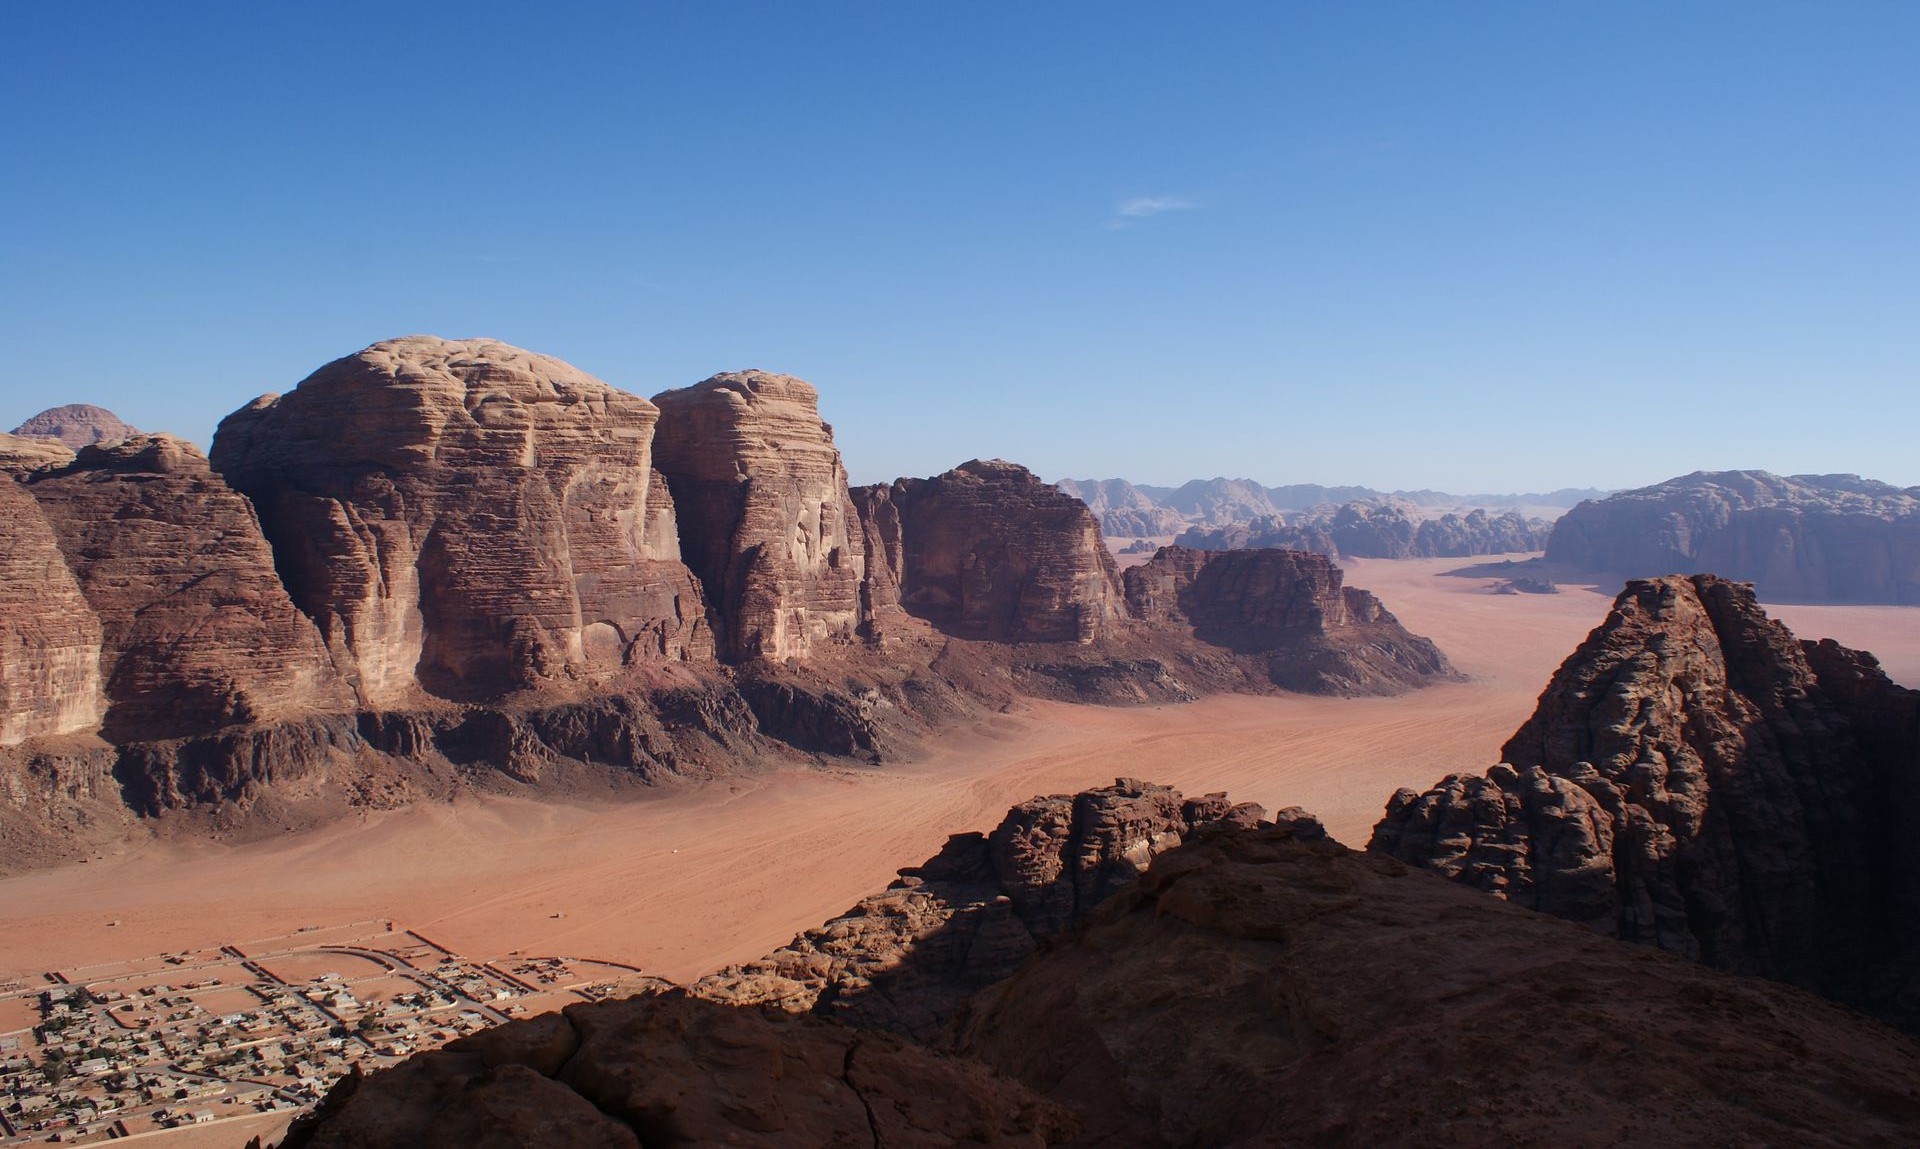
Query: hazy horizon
[1398,246]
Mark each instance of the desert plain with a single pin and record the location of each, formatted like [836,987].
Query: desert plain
[688,881]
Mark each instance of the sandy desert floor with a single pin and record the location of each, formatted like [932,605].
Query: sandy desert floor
[688,882]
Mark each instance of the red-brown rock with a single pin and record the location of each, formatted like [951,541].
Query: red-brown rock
[1695,779]
[671,1072]
[468,519]
[197,631]
[906,959]
[49,636]
[764,513]
[989,551]
[1290,609]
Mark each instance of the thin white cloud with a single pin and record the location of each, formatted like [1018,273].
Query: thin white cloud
[1133,209]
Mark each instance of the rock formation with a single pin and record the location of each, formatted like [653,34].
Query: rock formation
[988,551]
[1290,609]
[49,636]
[1697,780]
[77,425]
[1258,985]
[1124,509]
[466,519]
[196,632]
[765,513]
[1258,989]
[21,457]
[1378,529]
[1814,538]
[670,1072]
[904,960]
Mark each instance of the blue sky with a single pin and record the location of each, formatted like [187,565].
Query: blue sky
[1471,246]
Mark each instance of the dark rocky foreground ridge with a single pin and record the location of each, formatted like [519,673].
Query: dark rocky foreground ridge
[1802,538]
[1257,985]
[1697,780]
[437,565]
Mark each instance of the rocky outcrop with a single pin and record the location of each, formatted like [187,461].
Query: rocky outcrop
[464,519]
[196,631]
[1256,989]
[765,514]
[1289,609]
[1258,985]
[1697,780]
[49,636]
[904,960]
[1813,538]
[1123,509]
[988,551]
[671,1071]
[20,457]
[77,425]
[1378,529]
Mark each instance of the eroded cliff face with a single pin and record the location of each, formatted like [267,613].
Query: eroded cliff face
[988,551]
[197,632]
[1691,781]
[464,519]
[764,510]
[1290,609]
[49,636]
[1814,538]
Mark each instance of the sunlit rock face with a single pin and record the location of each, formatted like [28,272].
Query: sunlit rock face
[765,517]
[989,551]
[194,629]
[49,636]
[465,518]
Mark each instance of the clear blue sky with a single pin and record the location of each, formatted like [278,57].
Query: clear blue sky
[1474,246]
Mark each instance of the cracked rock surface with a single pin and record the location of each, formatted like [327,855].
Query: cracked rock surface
[674,1071]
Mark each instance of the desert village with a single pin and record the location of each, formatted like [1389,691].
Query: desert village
[193,1038]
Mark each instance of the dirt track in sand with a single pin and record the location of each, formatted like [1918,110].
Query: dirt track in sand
[684,883]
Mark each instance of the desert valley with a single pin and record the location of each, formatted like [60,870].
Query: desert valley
[862,576]
[593,700]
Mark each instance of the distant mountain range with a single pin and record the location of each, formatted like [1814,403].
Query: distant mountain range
[1130,510]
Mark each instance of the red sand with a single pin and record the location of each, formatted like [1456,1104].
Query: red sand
[690,881]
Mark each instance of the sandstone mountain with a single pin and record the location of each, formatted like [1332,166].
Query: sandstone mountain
[1289,609]
[989,551]
[1696,780]
[464,519]
[768,523]
[435,565]
[1380,529]
[1258,985]
[1813,538]
[77,425]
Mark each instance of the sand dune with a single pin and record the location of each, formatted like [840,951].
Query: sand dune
[690,881]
